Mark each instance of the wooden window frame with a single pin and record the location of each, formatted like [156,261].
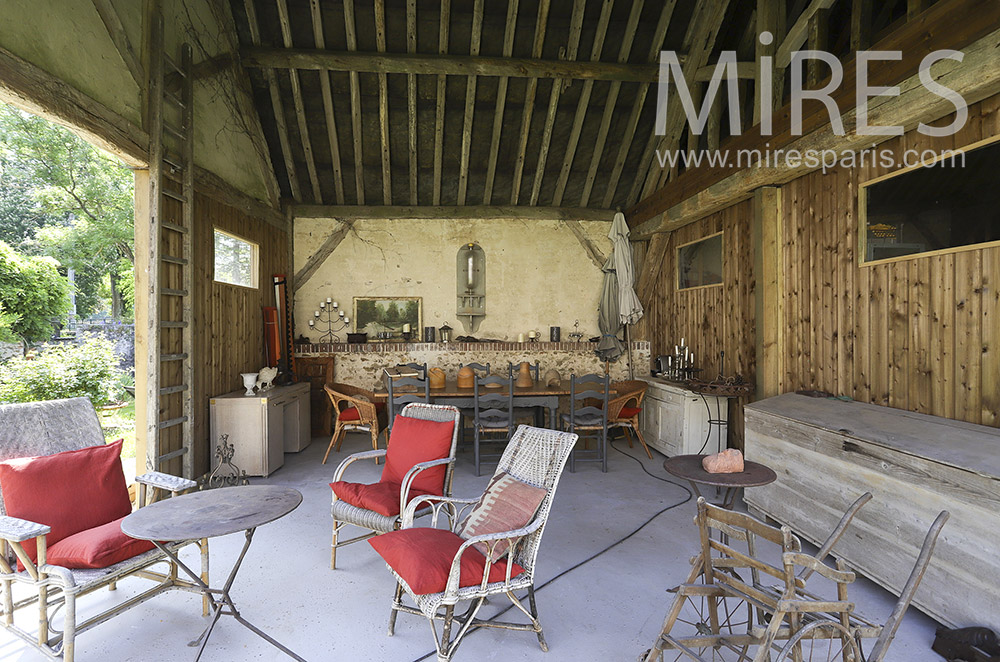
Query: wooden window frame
[254,267]
[677,265]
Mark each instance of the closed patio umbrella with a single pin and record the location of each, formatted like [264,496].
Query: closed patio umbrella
[619,305]
[609,347]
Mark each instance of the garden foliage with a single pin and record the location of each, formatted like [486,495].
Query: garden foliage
[63,371]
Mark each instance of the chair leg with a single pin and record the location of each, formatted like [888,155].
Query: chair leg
[397,602]
[604,449]
[627,435]
[374,433]
[333,440]
[206,604]
[333,546]
[69,628]
[475,449]
[534,617]
[638,434]
[444,648]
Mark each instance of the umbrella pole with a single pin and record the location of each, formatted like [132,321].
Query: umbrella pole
[628,354]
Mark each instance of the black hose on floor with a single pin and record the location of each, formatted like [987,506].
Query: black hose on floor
[690,495]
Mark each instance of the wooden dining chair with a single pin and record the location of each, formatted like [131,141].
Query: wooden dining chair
[626,407]
[403,391]
[588,415]
[493,413]
[421,368]
[483,368]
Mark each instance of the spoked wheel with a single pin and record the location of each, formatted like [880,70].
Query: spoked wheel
[821,642]
[733,617]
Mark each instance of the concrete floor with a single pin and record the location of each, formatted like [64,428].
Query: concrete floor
[613,544]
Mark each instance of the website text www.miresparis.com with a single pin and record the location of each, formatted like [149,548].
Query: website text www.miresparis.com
[822,159]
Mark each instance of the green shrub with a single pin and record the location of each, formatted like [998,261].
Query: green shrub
[32,289]
[63,371]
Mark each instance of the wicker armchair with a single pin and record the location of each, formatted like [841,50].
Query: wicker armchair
[625,408]
[355,409]
[534,456]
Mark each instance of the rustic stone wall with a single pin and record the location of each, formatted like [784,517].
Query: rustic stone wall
[362,365]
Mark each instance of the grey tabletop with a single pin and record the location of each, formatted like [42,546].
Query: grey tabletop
[211,513]
[689,467]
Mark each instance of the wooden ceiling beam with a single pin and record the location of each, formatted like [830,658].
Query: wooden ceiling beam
[529,102]
[281,126]
[633,120]
[359,156]
[508,47]
[569,53]
[331,120]
[609,104]
[411,100]
[443,64]
[861,24]
[470,103]
[582,105]
[300,110]
[113,23]
[383,106]
[595,255]
[445,212]
[798,33]
[442,81]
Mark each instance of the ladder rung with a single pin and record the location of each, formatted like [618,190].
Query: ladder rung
[173,161]
[173,260]
[173,65]
[167,390]
[173,357]
[171,455]
[170,292]
[173,226]
[171,422]
[176,196]
[174,131]
[173,98]
[172,324]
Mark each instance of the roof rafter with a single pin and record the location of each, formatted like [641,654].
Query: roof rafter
[325,90]
[411,99]
[359,157]
[508,47]
[529,102]
[383,106]
[442,82]
[470,100]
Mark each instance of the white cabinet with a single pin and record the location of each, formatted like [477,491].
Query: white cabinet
[262,427]
[675,420]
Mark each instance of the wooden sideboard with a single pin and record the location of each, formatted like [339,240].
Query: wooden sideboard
[674,420]
[317,370]
[262,427]
[827,452]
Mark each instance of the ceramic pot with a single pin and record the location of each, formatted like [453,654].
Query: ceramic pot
[524,376]
[436,377]
[466,377]
[552,377]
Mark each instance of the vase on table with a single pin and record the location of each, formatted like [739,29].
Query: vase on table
[524,376]
[249,381]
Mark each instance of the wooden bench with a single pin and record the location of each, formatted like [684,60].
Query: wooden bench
[37,591]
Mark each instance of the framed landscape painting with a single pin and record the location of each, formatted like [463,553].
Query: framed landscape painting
[383,318]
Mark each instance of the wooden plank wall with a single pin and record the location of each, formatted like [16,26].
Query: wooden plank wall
[711,319]
[228,325]
[918,334]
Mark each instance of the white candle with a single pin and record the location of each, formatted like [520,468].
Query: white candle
[532,334]
[520,337]
[677,350]
[683,342]
[322,305]
[335,305]
[315,313]
[347,320]
[328,299]
[311,323]
[692,359]
[341,313]
[406,328]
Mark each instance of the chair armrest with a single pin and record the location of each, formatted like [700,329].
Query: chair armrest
[616,405]
[513,536]
[165,481]
[438,503]
[354,457]
[14,529]
[411,475]
[815,565]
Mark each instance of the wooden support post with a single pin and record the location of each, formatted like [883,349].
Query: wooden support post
[770,18]
[769,293]
[146,313]
[818,41]
[508,46]
[914,7]
[595,255]
[861,24]
[119,37]
[327,93]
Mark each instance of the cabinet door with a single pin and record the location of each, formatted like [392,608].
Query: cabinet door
[274,440]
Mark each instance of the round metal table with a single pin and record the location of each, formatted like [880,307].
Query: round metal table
[689,468]
[209,514]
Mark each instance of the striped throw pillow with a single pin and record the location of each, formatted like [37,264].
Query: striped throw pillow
[507,504]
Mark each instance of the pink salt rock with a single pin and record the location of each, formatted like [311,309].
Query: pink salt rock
[729,461]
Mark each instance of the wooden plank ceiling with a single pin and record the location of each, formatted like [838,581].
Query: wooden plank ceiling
[467,102]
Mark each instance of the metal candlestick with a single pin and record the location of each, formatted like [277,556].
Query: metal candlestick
[329,313]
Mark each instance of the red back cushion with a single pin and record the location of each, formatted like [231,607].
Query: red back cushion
[423,556]
[98,547]
[415,440]
[70,491]
[381,497]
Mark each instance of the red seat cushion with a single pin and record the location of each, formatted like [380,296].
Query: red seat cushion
[350,414]
[415,440]
[381,497]
[423,556]
[629,412]
[70,491]
[98,547]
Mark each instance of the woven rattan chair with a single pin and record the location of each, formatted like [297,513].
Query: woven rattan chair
[375,523]
[355,409]
[534,456]
[625,408]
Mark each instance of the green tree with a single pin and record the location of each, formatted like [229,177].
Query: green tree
[71,201]
[63,371]
[32,290]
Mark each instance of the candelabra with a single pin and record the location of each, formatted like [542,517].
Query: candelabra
[680,366]
[329,313]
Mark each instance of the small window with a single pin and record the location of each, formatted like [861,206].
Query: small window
[951,203]
[235,260]
[699,264]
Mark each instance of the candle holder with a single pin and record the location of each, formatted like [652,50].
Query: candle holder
[329,313]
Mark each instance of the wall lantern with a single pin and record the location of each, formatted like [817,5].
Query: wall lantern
[444,333]
[471,286]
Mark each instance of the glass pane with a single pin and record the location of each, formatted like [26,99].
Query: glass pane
[234,260]
[700,263]
[943,205]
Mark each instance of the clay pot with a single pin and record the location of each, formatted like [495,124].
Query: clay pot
[552,377]
[436,377]
[466,377]
[524,379]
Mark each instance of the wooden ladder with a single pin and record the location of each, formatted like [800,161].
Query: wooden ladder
[170,367]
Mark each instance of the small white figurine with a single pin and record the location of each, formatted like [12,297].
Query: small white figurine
[265,377]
